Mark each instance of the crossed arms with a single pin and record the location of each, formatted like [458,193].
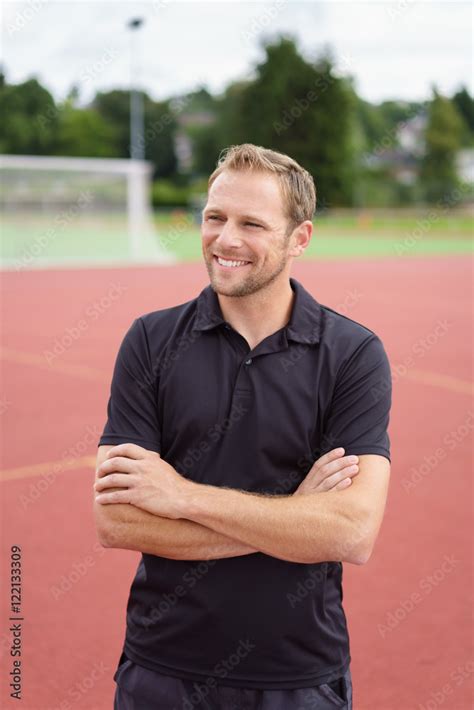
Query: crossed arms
[141,503]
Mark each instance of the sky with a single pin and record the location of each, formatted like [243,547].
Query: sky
[393,50]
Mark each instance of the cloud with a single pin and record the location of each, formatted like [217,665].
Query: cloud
[398,49]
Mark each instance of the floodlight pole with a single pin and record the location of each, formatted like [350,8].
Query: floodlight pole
[137,134]
[137,147]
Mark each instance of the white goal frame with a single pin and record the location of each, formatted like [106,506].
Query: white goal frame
[138,176]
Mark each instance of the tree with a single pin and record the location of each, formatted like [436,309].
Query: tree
[114,108]
[160,128]
[464,103]
[160,125]
[83,132]
[29,118]
[438,174]
[300,108]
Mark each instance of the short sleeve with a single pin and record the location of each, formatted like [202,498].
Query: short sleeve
[359,414]
[132,415]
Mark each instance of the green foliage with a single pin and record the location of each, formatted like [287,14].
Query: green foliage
[464,103]
[160,128]
[290,103]
[114,108]
[442,139]
[160,125]
[83,132]
[299,108]
[29,119]
[166,194]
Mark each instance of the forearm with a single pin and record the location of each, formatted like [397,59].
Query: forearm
[127,527]
[309,528]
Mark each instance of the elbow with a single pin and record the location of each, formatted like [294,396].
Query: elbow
[113,535]
[104,538]
[109,532]
[361,541]
[362,551]
[362,557]
[104,535]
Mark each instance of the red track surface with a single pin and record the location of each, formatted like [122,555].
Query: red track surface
[408,609]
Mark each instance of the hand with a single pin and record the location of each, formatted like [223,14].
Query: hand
[333,471]
[147,481]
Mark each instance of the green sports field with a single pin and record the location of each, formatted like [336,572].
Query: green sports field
[40,241]
[350,236]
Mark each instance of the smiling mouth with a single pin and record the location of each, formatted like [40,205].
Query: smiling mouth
[230,263]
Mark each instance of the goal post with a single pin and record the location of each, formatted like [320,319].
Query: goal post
[77,211]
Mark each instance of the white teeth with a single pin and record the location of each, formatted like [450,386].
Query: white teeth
[223,262]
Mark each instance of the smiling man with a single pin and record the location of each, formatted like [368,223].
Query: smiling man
[246,456]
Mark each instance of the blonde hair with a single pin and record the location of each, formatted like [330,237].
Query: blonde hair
[297,185]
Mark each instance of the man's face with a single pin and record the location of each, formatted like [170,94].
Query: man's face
[244,220]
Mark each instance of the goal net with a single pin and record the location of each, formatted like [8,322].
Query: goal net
[77,211]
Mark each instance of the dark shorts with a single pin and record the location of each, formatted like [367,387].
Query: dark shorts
[141,689]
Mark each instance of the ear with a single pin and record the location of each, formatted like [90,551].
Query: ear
[300,238]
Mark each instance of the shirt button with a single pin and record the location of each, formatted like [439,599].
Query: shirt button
[249,361]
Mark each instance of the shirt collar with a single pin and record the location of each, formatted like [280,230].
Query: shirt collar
[304,325]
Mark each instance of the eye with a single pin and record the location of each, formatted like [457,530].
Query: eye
[253,224]
[214,217]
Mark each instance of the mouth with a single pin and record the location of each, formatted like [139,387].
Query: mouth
[229,264]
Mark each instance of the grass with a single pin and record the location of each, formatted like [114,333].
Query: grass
[346,237]
[350,235]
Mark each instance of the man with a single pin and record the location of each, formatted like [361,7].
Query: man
[246,456]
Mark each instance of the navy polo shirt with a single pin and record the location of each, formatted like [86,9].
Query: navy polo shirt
[187,385]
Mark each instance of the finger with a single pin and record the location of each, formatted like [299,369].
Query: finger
[113,480]
[115,497]
[131,451]
[345,483]
[117,463]
[330,456]
[338,465]
[329,482]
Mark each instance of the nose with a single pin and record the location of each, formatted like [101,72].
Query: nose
[228,237]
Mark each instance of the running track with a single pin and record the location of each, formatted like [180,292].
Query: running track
[408,609]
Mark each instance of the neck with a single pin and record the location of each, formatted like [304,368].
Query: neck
[261,313]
